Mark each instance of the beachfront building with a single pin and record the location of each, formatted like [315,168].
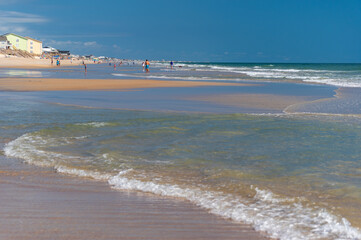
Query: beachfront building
[50,50]
[4,43]
[18,42]
[34,46]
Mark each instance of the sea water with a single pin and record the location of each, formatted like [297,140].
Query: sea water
[335,74]
[342,75]
[290,175]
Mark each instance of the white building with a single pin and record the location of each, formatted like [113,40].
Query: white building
[49,50]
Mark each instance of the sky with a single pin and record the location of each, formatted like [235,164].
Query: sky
[295,31]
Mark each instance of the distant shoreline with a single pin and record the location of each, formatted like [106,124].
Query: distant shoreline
[29,63]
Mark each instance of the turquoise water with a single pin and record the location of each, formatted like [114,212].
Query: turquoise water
[291,176]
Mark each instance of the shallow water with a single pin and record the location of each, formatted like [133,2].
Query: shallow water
[292,176]
[340,75]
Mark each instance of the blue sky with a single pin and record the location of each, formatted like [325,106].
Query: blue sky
[194,30]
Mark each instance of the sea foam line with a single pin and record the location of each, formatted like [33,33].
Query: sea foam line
[282,218]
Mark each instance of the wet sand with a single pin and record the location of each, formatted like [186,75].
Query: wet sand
[55,84]
[256,101]
[37,203]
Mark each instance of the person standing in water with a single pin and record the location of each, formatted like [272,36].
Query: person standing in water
[147,65]
[143,65]
[171,64]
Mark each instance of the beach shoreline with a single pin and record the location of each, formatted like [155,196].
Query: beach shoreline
[38,203]
[33,63]
[142,95]
[53,205]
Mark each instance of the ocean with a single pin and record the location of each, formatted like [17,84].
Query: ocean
[343,75]
[291,174]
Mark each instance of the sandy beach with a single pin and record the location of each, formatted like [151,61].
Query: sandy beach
[51,84]
[166,135]
[37,203]
[29,63]
[225,120]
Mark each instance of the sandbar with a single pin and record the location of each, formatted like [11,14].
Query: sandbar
[254,100]
[57,84]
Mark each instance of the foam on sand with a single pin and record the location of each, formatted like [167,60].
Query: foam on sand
[279,217]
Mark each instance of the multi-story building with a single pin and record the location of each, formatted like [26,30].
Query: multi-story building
[18,42]
[27,44]
[34,46]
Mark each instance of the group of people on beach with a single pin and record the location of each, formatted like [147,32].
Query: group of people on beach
[57,62]
[145,65]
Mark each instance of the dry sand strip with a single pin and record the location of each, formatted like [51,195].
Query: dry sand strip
[39,204]
[54,84]
[28,63]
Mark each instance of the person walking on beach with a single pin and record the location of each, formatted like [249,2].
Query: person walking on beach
[115,66]
[147,65]
[143,65]
[171,64]
[85,67]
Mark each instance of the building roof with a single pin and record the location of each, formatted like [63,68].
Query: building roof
[7,34]
[34,39]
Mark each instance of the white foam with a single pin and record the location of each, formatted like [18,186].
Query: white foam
[282,218]
[283,221]
[94,124]
[166,77]
[29,148]
[82,173]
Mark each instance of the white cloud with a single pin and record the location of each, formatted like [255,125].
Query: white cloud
[15,22]
[15,29]
[67,44]
[87,44]
[9,17]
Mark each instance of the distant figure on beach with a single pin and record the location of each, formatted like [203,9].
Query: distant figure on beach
[147,65]
[143,65]
[52,61]
[85,67]
[58,62]
[115,66]
[171,64]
